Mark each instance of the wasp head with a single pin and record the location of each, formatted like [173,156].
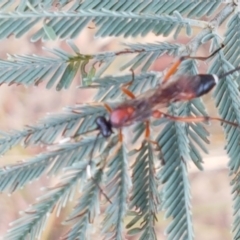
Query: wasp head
[104,126]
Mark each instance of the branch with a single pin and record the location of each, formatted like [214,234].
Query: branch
[68,24]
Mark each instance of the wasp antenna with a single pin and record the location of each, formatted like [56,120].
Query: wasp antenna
[228,73]
[68,139]
[91,153]
[77,135]
[102,192]
[88,169]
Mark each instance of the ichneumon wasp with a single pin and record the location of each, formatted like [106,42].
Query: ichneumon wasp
[172,89]
[175,89]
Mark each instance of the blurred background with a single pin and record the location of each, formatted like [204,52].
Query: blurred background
[19,106]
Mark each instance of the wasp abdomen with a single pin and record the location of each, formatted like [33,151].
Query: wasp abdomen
[206,83]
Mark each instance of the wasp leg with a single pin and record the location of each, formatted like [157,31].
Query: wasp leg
[120,135]
[175,66]
[158,148]
[108,108]
[147,134]
[124,88]
[159,114]
[101,190]
[128,92]
[172,69]
[130,82]
[102,165]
